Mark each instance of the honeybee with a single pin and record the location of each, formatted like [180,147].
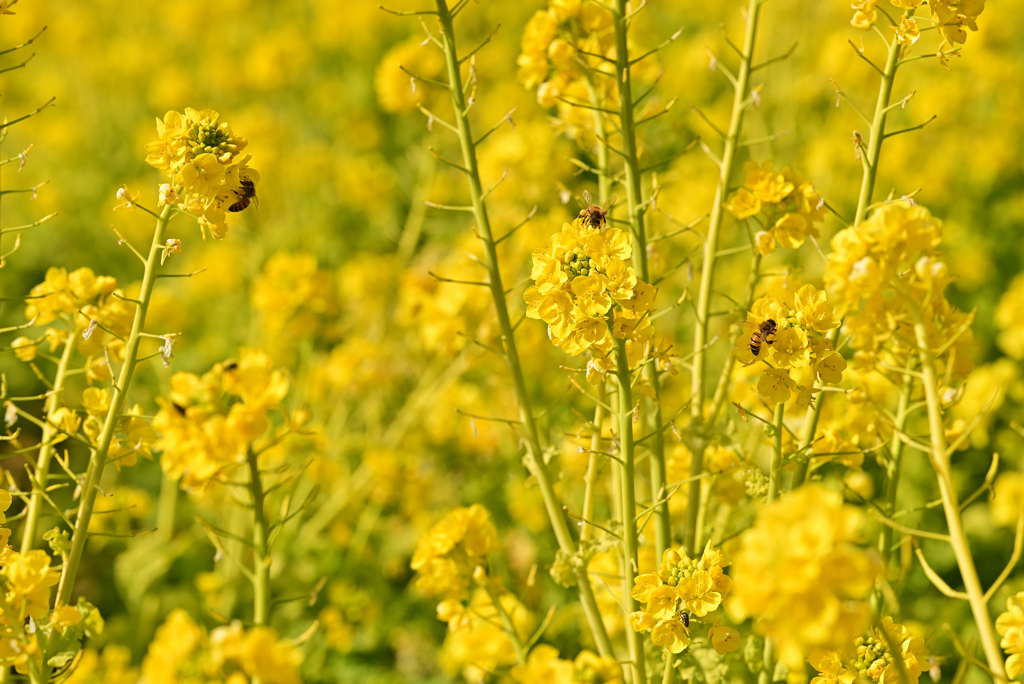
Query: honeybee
[593,215]
[686,619]
[764,333]
[246,195]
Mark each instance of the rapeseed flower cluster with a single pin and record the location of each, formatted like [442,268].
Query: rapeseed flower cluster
[545,665]
[208,423]
[203,160]
[448,557]
[182,651]
[800,573]
[683,589]
[476,642]
[871,660]
[567,54]
[588,295]
[877,268]
[799,342]
[950,17]
[91,313]
[785,205]
[1010,626]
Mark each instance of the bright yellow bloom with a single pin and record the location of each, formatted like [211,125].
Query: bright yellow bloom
[1010,626]
[578,281]
[724,639]
[672,635]
[801,576]
[544,665]
[24,349]
[743,204]
[907,32]
[776,386]
[29,579]
[452,549]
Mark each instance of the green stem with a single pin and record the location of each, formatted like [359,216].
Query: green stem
[167,506]
[707,274]
[630,543]
[634,197]
[534,457]
[98,459]
[775,470]
[260,551]
[509,625]
[803,463]
[870,161]
[669,669]
[892,471]
[590,479]
[774,477]
[603,180]
[877,135]
[721,390]
[35,504]
[950,504]
[767,664]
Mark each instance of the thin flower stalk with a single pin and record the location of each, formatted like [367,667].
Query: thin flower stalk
[508,626]
[940,460]
[892,470]
[534,457]
[260,550]
[603,184]
[49,432]
[593,465]
[775,470]
[707,273]
[630,564]
[774,476]
[634,199]
[98,458]
[721,390]
[869,158]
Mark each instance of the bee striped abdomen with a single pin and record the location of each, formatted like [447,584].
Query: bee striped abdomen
[245,196]
[764,334]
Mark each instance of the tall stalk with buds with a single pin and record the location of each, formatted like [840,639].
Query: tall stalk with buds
[700,430]
[534,451]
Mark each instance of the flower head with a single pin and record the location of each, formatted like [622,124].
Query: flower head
[588,295]
[202,157]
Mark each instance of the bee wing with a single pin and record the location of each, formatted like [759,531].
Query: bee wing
[610,203]
[587,199]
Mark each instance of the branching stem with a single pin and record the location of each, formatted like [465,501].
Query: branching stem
[707,273]
[534,456]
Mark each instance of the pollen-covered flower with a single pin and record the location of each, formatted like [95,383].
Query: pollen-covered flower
[872,661]
[202,157]
[800,574]
[790,337]
[789,204]
[29,579]
[588,295]
[878,268]
[682,587]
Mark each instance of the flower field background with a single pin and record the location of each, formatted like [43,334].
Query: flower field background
[384,422]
